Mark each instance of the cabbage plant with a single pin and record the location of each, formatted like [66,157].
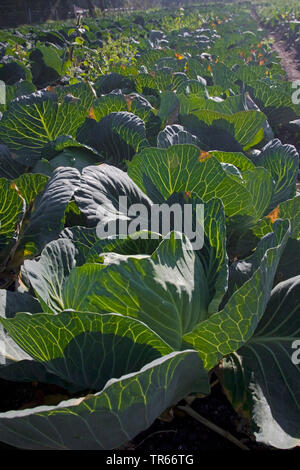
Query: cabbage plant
[132,334]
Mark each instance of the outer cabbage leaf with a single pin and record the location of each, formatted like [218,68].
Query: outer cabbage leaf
[217,131]
[289,209]
[168,290]
[34,120]
[12,210]
[172,135]
[48,213]
[9,167]
[183,168]
[274,101]
[118,136]
[85,349]
[30,185]
[234,158]
[100,190]
[267,367]
[282,161]
[15,363]
[111,417]
[228,330]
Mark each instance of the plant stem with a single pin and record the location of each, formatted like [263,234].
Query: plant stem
[213,426]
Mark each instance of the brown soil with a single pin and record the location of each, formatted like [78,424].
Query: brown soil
[291,65]
[287,54]
[288,57]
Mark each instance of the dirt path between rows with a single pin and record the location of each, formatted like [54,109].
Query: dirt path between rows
[288,58]
[292,68]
